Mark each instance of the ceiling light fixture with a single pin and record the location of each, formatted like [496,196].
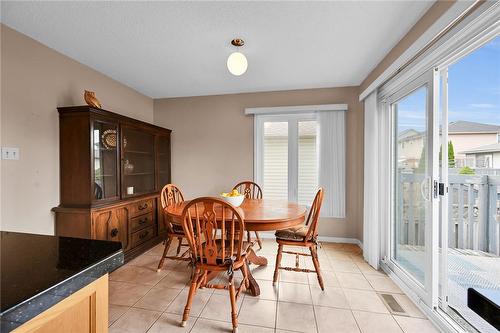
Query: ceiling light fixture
[237,63]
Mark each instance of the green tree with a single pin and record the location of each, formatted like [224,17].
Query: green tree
[451,155]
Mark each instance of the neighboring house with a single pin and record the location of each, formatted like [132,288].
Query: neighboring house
[466,136]
[487,156]
[410,148]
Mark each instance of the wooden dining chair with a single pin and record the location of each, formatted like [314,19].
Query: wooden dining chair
[250,190]
[214,230]
[305,235]
[170,195]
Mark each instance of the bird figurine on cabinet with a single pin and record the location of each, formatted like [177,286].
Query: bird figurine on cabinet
[91,100]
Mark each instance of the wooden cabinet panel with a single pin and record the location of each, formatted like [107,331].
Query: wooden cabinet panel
[162,221]
[86,311]
[112,225]
[121,225]
[100,224]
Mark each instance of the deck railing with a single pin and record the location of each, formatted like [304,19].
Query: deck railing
[473,212]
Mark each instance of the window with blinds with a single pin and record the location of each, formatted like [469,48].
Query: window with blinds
[298,151]
[290,159]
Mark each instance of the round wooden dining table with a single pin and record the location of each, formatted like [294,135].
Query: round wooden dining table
[259,215]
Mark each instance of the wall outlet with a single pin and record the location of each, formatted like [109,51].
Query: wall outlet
[9,153]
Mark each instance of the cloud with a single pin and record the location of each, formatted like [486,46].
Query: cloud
[408,114]
[482,105]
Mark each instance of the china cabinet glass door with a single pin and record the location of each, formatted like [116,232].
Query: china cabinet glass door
[105,160]
[163,161]
[138,162]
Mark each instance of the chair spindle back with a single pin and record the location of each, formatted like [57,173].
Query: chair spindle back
[170,195]
[313,216]
[249,189]
[214,230]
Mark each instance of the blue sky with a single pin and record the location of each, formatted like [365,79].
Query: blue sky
[473,89]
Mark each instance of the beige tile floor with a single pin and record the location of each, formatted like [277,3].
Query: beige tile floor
[143,300]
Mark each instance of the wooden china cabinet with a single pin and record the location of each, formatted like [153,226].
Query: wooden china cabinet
[112,169]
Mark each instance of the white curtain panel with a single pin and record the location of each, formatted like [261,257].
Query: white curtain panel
[376,179]
[371,233]
[332,162]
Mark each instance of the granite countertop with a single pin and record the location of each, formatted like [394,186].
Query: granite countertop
[38,271]
[486,303]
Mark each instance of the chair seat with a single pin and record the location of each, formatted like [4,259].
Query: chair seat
[177,228]
[220,260]
[297,233]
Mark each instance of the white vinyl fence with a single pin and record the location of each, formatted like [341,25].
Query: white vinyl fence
[473,212]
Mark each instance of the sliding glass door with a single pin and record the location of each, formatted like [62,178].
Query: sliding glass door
[413,172]
[412,210]
[470,177]
[445,221]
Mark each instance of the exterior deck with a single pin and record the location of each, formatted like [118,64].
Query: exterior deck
[466,269]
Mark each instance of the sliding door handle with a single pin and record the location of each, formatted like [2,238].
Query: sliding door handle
[426,181]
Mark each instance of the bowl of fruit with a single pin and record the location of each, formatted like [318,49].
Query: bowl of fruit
[234,198]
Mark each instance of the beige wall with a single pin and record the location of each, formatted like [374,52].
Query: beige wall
[212,138]
[35,80]
[464,142]
[425,22]
[212,144]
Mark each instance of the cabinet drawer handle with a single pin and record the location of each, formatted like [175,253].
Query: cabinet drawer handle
[142,207]
[144,234]
[142,221]
[114,232]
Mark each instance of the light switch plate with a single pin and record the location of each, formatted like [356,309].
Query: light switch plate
[9,153]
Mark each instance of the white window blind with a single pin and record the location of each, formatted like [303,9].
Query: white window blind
[307,161]
[275,168]
[297,153]
[332,162]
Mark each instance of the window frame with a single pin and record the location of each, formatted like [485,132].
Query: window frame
[293,147]
[424,291]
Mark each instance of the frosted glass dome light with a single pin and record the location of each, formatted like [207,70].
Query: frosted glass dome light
[237,63]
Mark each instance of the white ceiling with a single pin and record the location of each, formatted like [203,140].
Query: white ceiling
[169,49]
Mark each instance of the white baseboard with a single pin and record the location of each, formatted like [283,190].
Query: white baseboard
[326,239]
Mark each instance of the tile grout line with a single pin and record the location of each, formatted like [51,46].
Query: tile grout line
[244,298]
[161,314]
[278,282]
[180,291]
[151,288]
[312,300]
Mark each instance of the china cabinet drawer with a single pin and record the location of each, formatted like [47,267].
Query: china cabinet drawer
[140,208]
[141,236]
[140,222]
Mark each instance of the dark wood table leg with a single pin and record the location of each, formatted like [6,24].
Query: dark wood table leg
[210,276]
[256,260]
[253,285]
